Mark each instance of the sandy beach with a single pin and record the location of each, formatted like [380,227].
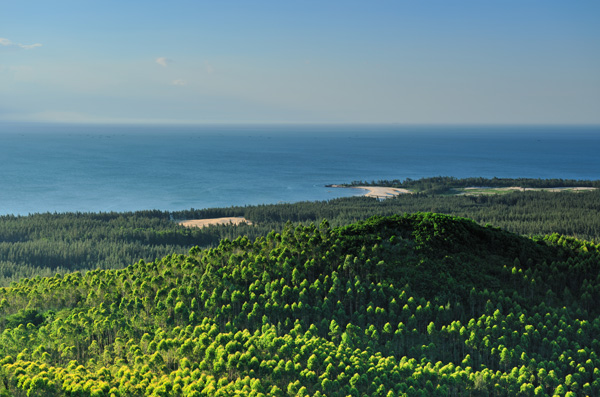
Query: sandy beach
[214,221]
[379,191]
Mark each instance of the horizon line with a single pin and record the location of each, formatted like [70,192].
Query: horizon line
[295,123]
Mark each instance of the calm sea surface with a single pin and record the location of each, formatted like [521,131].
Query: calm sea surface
[62,168]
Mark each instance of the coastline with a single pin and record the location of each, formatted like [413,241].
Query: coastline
[380,192]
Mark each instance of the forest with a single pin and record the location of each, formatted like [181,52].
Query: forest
[431,293]
[418,304]
[50,243]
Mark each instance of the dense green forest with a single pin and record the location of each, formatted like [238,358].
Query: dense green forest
[46,244]
[419,305]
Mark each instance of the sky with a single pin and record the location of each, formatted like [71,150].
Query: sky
[377,61]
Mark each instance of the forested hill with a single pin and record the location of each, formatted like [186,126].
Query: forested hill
[421,304]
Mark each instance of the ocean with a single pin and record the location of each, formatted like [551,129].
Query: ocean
[93,168]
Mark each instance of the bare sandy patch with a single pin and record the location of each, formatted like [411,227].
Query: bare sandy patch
[214,221]
[582,188]
[491,190]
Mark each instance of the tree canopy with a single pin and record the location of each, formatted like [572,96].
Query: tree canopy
[413,304]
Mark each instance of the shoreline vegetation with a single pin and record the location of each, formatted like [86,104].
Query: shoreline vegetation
[383,192]
[450,185]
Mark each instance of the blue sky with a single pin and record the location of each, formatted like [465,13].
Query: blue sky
[413,62]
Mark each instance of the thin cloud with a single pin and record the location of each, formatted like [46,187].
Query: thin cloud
[30,46]
[179,82]
[4,42]
[163,61]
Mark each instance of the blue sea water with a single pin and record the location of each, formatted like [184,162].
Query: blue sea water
[91,168]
